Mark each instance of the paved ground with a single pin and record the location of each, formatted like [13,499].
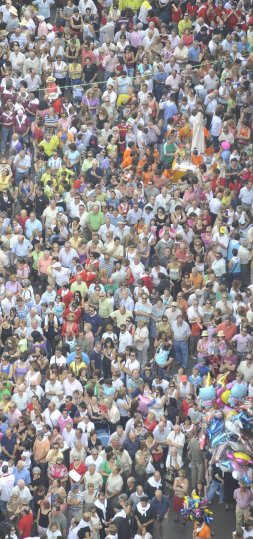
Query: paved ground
[223,524]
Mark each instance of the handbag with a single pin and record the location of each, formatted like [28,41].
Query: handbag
[150,468]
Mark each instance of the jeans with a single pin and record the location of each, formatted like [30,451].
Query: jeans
[181,352]
[6,133]
[19,176]
[215,486]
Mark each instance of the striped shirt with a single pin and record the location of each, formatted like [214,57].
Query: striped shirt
[75,495]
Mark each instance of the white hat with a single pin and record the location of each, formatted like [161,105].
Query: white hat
[56,265]
[50,27]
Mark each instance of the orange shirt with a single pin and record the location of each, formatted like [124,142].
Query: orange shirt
[197,280]
[204,532]
[229,331]
[196,160]
[127,162]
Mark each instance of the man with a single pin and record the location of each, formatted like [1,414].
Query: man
[246,368]
[22,248]
[161,507]
[40,450]
[6,485]
[58,518]
[60,274]
[243,497]
[33,227]
[105,308]
[176,439]
[92,476]
[25,523]
[181,333]
[196,458]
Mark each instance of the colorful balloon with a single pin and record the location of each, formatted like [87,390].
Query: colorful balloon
[225,396]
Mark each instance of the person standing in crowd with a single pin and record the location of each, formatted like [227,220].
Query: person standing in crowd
[126,237]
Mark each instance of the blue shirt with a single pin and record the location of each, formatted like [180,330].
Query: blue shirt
[193,55]
[22,474]
[160,507]
[30,226]
[71,357]
[22,249]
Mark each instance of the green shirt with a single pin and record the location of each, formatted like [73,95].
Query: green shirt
[169,148]
[105,308]
[95,220]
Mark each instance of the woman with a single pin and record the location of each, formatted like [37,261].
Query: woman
[108,355]
[208,310]
[129,60]
[107,467]
[70,327]
[55,491]
[94,442]
[91,102]
[188,429]
[6,368]
[202,346]
[58,471]
[33,376]
[6,331]
[20,368]
[14,507]
[160,220]
[172,411]
[156,316]
[95,414]
[180,489]
[43,517]
[142,459]
[78,466]
[158,406]
[26,186]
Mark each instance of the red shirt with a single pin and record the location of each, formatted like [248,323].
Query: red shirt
[81,469]
[67,298]
[25,525]
[77,313]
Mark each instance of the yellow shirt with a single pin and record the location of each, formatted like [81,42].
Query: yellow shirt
[4,182]
[75,71]
[49,146]
[182,25]
[82,288]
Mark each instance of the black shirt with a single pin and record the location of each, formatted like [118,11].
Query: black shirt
[40,204]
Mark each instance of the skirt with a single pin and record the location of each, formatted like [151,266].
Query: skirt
[178,504]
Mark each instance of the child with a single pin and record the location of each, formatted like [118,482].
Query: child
[195,379]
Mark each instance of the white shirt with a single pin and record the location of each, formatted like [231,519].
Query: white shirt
[219,267]
[216,125]
[125,339]
[6,485]
[61,277]
[179,439]
[214,205]
[194,312]
[224,240]
[55,388]
[51,419]
[97,462]
[246,196]
[69,388]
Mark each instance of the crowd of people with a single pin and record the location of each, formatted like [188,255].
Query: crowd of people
[126,265]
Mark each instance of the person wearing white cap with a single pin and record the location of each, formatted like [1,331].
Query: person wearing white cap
[60,274]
